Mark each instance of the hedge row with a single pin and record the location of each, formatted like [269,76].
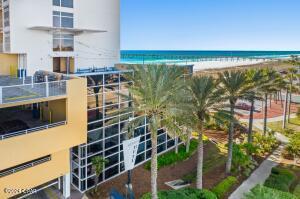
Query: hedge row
[262,192]
[170,158]
[186,193]
[224,186]
[280,179]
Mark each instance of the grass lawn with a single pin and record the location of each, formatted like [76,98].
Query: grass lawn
[293,124]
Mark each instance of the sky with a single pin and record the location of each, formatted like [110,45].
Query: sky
[210,25]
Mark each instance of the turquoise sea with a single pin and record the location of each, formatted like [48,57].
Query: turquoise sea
[166,56]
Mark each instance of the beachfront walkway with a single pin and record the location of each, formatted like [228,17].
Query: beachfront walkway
[264,170]
[259,175]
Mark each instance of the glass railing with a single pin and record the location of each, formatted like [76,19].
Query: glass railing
[25,91]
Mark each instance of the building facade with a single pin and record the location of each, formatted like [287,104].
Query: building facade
[41,119]
[60,35]
[108,113]
[65,120]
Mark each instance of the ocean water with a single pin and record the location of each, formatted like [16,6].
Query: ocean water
[165,56]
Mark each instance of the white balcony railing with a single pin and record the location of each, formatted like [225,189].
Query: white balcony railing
[32,130]
[24,92]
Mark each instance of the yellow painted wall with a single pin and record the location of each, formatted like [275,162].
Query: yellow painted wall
[57,109]
[24,148]
[37,175]
[8,61]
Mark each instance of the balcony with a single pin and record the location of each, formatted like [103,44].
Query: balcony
[23,120]
[14,90]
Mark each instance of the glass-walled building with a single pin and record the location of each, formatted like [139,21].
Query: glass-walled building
[107,115]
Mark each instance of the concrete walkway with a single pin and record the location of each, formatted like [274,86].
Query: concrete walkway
[259,175]
[264,170]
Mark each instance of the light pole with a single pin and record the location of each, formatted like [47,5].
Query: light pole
[130,134]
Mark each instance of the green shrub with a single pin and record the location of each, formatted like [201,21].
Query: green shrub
[297,191]
[262,192]
[264,143]
[239,157]
[171,157]
[186,193]
[288,132]
[293,147]
[223,187]
[280,179]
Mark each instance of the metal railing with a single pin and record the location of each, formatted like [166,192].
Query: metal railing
[32,130]
[24,92]
[24,166]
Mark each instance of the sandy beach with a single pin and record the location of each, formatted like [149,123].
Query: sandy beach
[204,65]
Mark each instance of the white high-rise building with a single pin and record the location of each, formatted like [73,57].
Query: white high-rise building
[60,35]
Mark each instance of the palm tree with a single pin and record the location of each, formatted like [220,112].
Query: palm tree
[203,100]
[291,76]
[254,77]
[270,83]
[234,86]
[98,164]
[153,91]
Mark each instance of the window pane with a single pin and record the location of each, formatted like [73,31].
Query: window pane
[56,2]
[67,22]
[67,45]
[56,21]
[56,45]
[67,3]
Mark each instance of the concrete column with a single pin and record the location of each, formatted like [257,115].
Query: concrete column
[59,183]
[67,185]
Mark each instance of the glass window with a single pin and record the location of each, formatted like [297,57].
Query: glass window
[111,172]
[63,42]
[63,3]
[94,148]
[111,98]
[95,135]
[170,143]
[140,158]
[114,159]
[56,2]
[95,125]
[161,148]
[67,20]
[112,141]
[63,19]
[111,151]
[95,114]
[67,3]
[112,130]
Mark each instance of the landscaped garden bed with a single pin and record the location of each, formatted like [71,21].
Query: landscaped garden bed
[283,183]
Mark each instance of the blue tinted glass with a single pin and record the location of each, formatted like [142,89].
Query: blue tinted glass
[67,3]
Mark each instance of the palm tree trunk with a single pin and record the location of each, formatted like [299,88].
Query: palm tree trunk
[154,128]
[285,109]
[96,183]
[270,101]
[265,113]
[200,156]
[176,145]
[230,139]
[188,142]
[251,122]
[281,99]
[290,105]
